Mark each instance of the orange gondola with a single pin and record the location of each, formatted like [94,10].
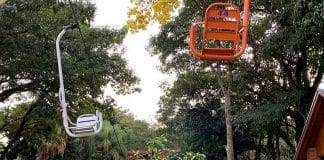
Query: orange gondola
[224,36]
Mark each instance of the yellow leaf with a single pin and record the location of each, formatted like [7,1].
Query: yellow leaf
[144,12]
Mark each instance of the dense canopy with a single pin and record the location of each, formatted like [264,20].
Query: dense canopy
[269,89]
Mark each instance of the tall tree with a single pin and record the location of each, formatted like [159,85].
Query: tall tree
[274,83]
[290,56]
[192,115]
[28,67]
[227,94]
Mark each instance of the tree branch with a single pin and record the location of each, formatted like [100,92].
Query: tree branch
[17,133]
[24,87]
[319,76]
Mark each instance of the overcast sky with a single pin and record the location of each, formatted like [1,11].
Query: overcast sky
[143,105]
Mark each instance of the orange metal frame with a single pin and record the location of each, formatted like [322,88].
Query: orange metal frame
[222,25]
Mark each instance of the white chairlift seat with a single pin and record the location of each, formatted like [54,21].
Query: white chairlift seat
[87,120]
[87,124]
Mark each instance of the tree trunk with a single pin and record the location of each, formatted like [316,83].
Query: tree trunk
[229,130]
[270,146]
[227,107]
[277,146]
[259,147]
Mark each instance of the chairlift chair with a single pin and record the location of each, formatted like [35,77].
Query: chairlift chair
[224,37]
[87,124]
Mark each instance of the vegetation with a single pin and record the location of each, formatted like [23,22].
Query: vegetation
[271,87]
[142,13]
[118,138]
[157,150]
[28,70]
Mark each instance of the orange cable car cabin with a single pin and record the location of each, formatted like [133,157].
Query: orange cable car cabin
[224,37]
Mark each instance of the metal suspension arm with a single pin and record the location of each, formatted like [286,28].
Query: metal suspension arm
[59,64]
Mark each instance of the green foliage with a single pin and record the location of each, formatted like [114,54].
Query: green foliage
[116,139]
[28,70]
[271,91]
[191,111]
[156,146]
[157,150]
[105,144]
[194,156]
[137,132]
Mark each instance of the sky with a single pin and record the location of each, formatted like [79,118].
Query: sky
[145,104]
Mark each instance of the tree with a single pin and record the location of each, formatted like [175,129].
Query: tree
[177,41]
[121,134]
[300,58]
[189,105]
[193,115]
[137,132]
[28,67]
[227,93]
[273,85]
[107,144]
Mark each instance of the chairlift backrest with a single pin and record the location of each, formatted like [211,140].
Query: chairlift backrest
[224,35]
